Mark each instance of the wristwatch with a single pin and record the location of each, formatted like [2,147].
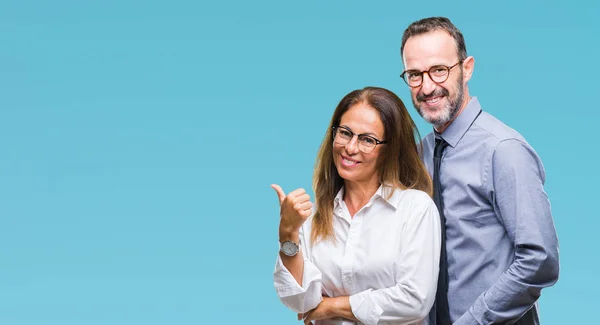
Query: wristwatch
[289,248]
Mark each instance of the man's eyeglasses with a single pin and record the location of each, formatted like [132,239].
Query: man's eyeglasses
[437,74]
[366,143]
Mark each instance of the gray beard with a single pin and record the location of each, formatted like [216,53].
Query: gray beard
[448,111]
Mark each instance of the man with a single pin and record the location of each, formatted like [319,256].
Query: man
[500,243]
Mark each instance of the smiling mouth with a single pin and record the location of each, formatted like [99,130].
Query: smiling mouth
[433,101]
[349,162]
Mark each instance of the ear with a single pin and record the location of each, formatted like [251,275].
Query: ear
[468,66]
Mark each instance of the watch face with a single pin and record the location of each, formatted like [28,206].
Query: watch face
[289,248]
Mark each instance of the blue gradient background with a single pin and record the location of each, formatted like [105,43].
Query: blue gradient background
[138,140]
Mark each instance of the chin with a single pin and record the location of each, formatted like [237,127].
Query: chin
[439,116]
[351,176]
[345,175]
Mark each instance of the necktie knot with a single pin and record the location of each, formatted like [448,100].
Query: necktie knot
[440,145]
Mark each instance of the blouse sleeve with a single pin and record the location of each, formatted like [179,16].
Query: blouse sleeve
[300,299]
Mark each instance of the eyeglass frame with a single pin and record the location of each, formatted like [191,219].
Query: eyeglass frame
[377,141]
[421,73]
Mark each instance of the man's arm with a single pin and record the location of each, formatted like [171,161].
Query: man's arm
[517,177]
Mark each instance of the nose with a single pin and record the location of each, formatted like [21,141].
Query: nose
[352,146]
[428,86]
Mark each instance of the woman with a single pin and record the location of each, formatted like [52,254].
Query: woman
[369,253]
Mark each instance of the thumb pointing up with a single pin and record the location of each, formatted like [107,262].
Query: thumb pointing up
[295,208]
[280,192]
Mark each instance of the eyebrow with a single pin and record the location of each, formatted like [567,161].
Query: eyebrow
[368,133]
[431,66]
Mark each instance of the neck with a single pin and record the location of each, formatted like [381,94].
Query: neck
[358,194]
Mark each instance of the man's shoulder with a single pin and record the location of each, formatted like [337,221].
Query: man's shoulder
[428,140]
[491,135]
[489,127]
[429,136]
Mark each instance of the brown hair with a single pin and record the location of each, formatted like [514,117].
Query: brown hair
[427,25]
[399,165]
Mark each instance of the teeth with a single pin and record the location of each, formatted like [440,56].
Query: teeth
[433,101]
[349,162]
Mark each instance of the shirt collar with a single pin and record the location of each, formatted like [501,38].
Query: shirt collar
[461,124]
[338,198]
[383,192]
[389,195]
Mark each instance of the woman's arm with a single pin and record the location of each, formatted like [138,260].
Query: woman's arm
[297,280]
[299,294]
[330,308]
[294,264]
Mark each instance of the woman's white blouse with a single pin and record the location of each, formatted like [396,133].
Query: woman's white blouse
[386,258]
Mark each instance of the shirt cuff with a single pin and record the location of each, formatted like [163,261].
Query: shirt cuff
[364,309]
[303,298]
[468,318]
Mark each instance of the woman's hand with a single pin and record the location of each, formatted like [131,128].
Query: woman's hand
[329,308]
[295,209]
[323,311]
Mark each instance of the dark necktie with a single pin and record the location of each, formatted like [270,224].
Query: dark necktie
[440,313]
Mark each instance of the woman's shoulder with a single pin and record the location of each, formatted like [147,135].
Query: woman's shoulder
[411,198]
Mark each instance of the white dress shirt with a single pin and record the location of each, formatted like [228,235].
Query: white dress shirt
[386,258]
